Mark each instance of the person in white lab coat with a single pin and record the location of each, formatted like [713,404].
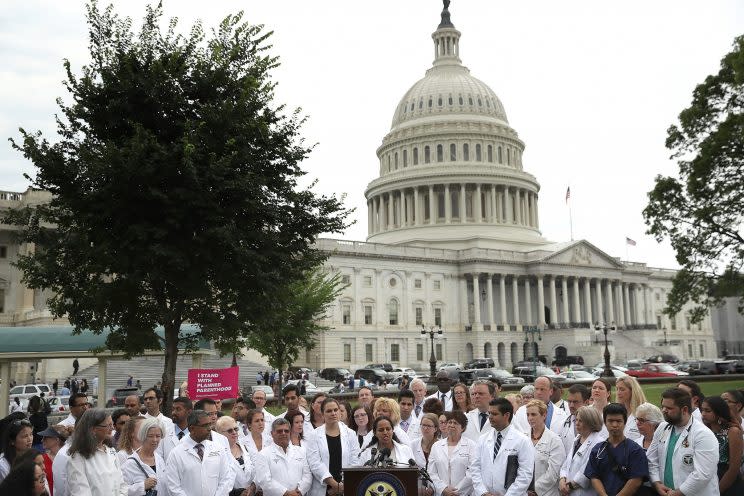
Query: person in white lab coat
[578,395]
[549,452]
[430,434]
[330,448]
[481,393]
[589,432]
[281,467]
[388,407]
[198,466]
[408,421]
[137,469]
[291,395]
[384,437]
[694,466]
[180,411]
[505,445]
[153,399]
[693,389]
[93,469]
[555,416]
[451,458]
[630,394]
[240,455]
[444,391]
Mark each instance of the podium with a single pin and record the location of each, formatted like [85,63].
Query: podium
[376,481]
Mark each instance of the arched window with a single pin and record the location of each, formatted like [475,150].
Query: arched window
[470,100]
[431,102]
[480,103]
[440,153]
[490,153]
[405,158]
[478,155]
[466,152]
[453,152]
[427,155]
[461,102]
[396,160]
[501,157]
[450,100]
[413,106]
[389,167]
[415,156]
[393,311]
[508,156]
[439,101]
[421,103]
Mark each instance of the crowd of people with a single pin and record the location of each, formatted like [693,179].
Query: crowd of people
[467,441]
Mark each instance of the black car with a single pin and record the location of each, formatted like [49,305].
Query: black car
[373,376]
[335,374]
[524,364]
[480,363]
[663,358]
[387,367]
[117,399]
[530,373]
[568,360]
[502,376]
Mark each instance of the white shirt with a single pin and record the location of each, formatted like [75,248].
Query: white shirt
[454,470]
[575,463]
[473,431]
[69,421]
[244,473]
[278,471]
[99,475]
[167,443]
[4,467]
[489,474]
[135,478]
[447,399]
[318,455]
[59,471]
[631,428]
[186,475]
[400,453]
[549,457]
[307,427]
[167,423]
[399,433]
[556,422]
[268,420]
[695,458]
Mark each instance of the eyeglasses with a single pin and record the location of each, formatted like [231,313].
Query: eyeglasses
[360,415]
[106,426]
[428,426]
[234,430]
[22,422]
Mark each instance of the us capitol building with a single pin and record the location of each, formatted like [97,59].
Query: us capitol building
[454,241]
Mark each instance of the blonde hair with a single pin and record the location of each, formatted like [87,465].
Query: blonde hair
[389,404]
[541,407]
[637,397]
[126,440]
[514,396]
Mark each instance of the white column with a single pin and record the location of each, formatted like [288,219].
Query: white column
[477,204]
[447,205]
[610,302]
[518,205]
[527,301]
[576,317]
[626,305]
[553,301]
[489,298]
[588,300]
[537,216]
[528,207]
[102,378]
[499,206]
[651,306]
[476,302]
[646,304]
[494,205]
[564,291]
[600,306]
[432,213]
[465,318]
[620,304]
[369,220]
[508,202]
[502,300]
[541,301]
[416,207]
[515,298]
[390,217]
[463,211]
[4,396]
[401,209]
[638,305]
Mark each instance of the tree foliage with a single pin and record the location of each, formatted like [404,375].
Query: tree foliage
[295,321]
[174,181]
[700,211]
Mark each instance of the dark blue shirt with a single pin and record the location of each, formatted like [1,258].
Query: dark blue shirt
[628,454]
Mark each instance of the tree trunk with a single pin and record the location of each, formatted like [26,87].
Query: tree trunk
[169,371]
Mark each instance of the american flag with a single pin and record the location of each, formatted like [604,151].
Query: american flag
[568,193]
[630,241]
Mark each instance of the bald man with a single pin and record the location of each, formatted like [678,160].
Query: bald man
[132,405]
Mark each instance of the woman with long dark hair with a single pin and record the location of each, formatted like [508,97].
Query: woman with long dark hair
[360,421]
[26,479]
[17,438]
[296,422]
[93,468]
[384,438]
[716,415]
[38,418]
[316,415]
[601,394]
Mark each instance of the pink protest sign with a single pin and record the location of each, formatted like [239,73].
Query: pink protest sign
[216,384]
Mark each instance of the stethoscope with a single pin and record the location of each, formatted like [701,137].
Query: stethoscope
[687,431]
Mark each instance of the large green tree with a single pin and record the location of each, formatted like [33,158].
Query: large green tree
[701,210]
[175,196]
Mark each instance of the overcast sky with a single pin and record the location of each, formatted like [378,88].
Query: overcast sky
[590,86]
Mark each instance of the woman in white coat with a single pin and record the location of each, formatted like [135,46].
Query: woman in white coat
[430,434]
[384,437]
[451,458]
[589,427]
[549,451]
[93,469]
[242,458]
[141,468]
[330,448]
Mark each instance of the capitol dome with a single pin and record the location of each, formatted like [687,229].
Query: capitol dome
[450,169]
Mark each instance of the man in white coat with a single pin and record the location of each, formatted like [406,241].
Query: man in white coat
[694,457]
[419,396]
[481,394]
[499,451]
[197,466]
[291,395]
[556,416]
[408,421]
[281,467]
[444,391]
[153,398]
[578,396]
[259,398]
[182,407]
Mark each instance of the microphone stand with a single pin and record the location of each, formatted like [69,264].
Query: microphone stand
[423,474]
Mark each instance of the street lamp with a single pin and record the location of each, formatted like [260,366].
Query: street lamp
[530,331]
[607,372]
[432,359]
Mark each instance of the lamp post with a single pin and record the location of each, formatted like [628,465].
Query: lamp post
[607,372]
[530,331]
[432,359]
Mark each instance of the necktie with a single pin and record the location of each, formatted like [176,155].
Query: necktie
[417,410]
[497,446]
[200,451]
[180,435]
[245,430]
[483,417]
[404,425]
[550,415]
[444,395]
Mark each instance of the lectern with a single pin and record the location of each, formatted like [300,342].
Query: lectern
[374,481]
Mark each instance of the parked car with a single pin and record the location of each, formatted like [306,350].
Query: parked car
[58,403]
[117,399]
[656,370]
[663,358]
[525,363]
[579,376]
[373,375]
[26,391]
[615,372]
[301,370]
[600,367]
[530,373]
[401,371]
[310,388]
[503,376]
[634,365]
[249,390]
[387,367]
[335,374]
[450,365]
[480,363]
[568,360]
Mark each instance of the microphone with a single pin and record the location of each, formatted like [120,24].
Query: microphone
[384,455]
[422,471]
[372,459]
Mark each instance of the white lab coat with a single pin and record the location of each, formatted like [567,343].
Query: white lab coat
[400,453]
[446,470]
[695,458]
[556,423]
[473,431]
[631,427]
[447,399]
[568,434]
[166,422]
[278,471]
[307,427]
[489,474]
[399,433]
[266,440]
[318,456]
[418,453]
[244,474]
[186,475]
[59,471]
[136,479]
[414,427]
[99,475]
[549,458]
[167,444]
[574,465]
